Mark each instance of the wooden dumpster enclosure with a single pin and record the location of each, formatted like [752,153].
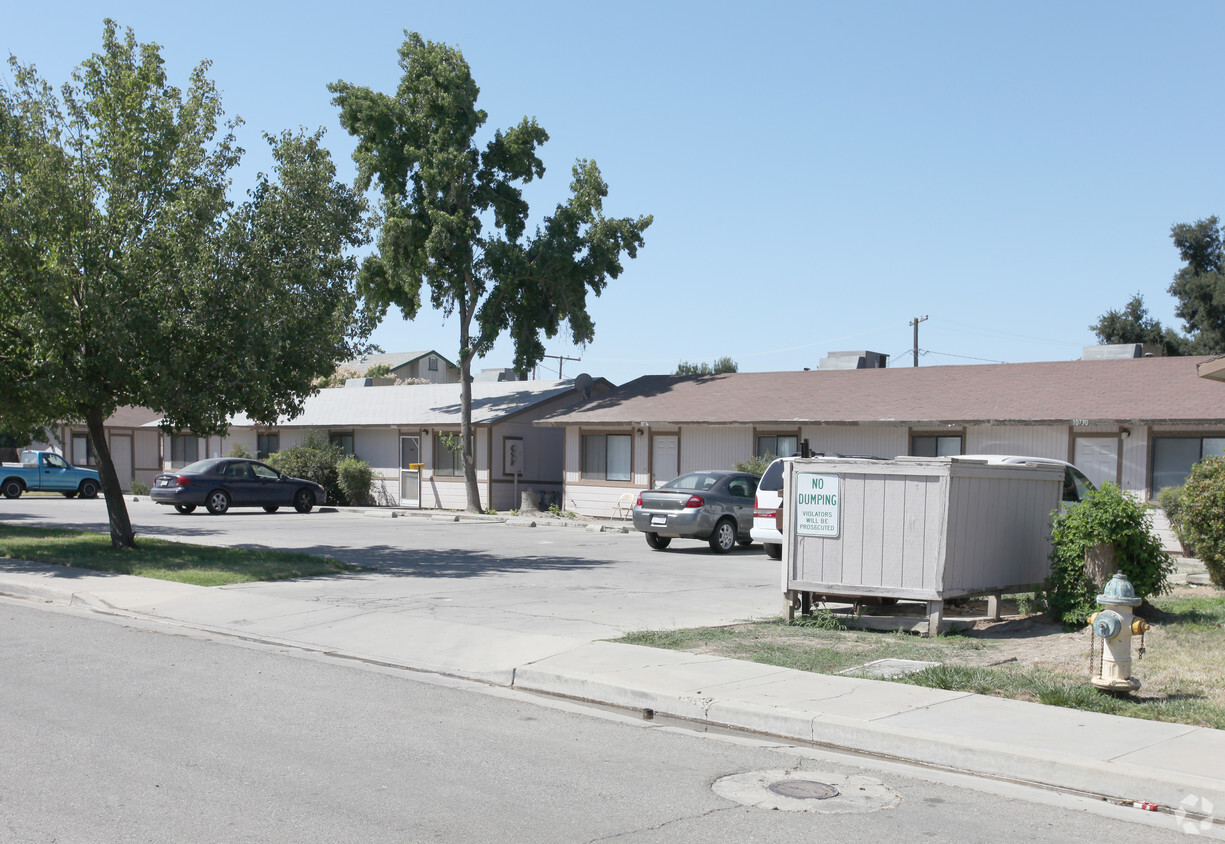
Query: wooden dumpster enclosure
[920,529]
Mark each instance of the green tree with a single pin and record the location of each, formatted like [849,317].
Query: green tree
[1199,285]
[1132,324]
[723,364]
[454,219]
[128,277]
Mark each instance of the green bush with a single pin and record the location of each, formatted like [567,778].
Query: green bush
[1171,501]
[1106,515]
[1201,516]
[355,478]
[240,450]
[756,465]
[314,459]
[139,487]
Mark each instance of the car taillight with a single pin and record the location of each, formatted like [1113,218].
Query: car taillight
[638,503]
[764,514]
[695,501]
[182,481]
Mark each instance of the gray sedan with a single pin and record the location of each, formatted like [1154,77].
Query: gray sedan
[715,505]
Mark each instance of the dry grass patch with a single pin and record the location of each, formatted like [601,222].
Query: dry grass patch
[1027,658]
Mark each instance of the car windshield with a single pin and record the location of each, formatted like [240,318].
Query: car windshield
[201,467]
[1075,485]
[692,481]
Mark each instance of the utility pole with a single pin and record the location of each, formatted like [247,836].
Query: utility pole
[915,322]
[561,359]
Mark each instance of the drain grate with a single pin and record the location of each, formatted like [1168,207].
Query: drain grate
[804,789]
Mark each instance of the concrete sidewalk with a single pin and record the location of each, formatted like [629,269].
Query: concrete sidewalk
[1124,759]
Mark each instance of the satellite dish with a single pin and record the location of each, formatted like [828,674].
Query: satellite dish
[582,383]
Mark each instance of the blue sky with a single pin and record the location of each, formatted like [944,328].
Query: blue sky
[820,173]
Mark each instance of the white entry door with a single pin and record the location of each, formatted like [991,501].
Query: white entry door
[121,458]
[664,459]
[410,471]
[1097,457]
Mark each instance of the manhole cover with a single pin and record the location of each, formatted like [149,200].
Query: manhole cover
[806,791]
[803,789]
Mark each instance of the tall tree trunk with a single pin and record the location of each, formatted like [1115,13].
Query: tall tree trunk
[122,535]
[465,411]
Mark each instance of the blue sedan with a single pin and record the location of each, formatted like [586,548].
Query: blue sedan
[224,482]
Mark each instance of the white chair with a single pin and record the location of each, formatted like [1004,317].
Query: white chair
[625,505]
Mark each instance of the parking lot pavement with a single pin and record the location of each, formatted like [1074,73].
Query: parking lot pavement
[548,580]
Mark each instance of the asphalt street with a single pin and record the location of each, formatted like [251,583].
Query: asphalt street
[563,581]
[121,731]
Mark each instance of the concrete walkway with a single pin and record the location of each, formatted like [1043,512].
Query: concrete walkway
[1118,758]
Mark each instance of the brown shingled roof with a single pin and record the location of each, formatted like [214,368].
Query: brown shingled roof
[1150,390]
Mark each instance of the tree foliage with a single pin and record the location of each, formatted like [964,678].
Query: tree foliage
[1198,289]
[455,219]
[721,365]
[1132,324]
[127,275]
[1199,285]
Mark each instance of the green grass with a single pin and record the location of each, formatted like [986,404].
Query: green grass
[200,565]
[1183,671]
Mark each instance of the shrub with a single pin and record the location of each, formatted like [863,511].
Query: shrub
[139,487]
[355,477]
[240,450]
[1201,516]
[756,465]
[1105,515]
[314,459]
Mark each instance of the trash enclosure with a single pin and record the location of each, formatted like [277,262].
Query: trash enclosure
[916,529]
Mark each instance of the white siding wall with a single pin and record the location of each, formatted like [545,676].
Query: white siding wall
[714,446]
[1029,440]
[1135,461]
[875,441]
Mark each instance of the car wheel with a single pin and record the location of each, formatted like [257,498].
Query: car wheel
[218,502]
[71,494]
[724,537]
[658,542]
[271,508]
[304,501]
[12,489]
[89,489]
[185,508]
[774,551]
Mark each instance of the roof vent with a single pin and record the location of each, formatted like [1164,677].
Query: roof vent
[854,360]
[1117,351]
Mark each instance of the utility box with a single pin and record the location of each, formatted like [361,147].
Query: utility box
[918,529]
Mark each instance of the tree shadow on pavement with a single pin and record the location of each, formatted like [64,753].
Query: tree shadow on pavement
[449,563]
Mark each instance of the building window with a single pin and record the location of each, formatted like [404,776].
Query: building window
[777,445]
[942,445]
[82,452]
[606,457]
[266,444]
[447,463]
[344,439]
[184,449]
[1173,458]
[433,364]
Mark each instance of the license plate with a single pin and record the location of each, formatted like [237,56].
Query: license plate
[659,521]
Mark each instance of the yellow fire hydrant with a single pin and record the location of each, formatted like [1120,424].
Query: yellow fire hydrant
[1115,625]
